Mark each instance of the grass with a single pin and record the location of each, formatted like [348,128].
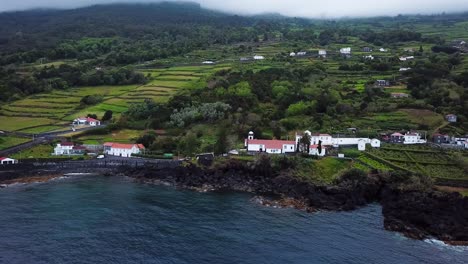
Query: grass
[40,129]
[8,142]
[323,171]
[37,152]
[121,136]
[16,123]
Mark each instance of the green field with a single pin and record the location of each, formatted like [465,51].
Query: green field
[435,163]
[7,142]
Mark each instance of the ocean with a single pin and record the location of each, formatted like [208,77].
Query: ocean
[92,219]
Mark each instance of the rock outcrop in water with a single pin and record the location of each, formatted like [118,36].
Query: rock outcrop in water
[407,208]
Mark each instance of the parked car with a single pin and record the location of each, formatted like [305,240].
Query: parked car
[100,157]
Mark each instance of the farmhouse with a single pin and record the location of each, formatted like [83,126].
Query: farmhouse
[412,138]
[345,51]
[258,57]
[382,83]
[322,53]
[440,138]
[7,161]
[86,121]
[68,148]
[451,118]
[292,54]
[397,138]
[122,150]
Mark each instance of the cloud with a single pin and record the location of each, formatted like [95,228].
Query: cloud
[302,8]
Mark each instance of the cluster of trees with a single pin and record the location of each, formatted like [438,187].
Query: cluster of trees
[209,112]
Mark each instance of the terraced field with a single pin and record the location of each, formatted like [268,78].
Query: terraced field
[418,159]
[51,111]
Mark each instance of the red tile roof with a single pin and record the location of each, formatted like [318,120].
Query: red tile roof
[271,144]
[397,135]
[3,158]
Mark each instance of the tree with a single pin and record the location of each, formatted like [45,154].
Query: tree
[421,49]
[147,140]
[107,115]
[92,116]
[304,144]
[221,145]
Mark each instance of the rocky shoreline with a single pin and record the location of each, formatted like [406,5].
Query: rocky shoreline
[416,212]
[409,205]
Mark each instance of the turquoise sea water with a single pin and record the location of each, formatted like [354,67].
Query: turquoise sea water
[114,220]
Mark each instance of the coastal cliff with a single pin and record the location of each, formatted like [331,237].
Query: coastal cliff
[409,205]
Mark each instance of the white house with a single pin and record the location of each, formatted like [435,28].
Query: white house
[345,51]
[269,146]
[122,150]
[412,138]
[64,148]
[208,62]
[301,53]
[86,121]
[322,53]
[404,69]
[313,151]
[292,54]
[68,148]
[406,58]
[7,161]
[258,57]
[369,57]
[382,50]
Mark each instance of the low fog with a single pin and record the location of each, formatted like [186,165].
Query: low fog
[302,8]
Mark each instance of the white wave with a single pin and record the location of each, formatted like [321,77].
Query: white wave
[442,244]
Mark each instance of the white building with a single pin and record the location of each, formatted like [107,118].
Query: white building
[86,121]
[406,58]
[7,161]
[322,53]
[369,57]
[404,69]
[345,51]
[64,148]
[313,151]
[383,50]
[412,138]
[269,146]
[122,150]
[301,53]
[208,62]
[328,140]
[258,57]
[292,54]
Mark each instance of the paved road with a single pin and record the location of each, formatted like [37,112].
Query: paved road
[40,138]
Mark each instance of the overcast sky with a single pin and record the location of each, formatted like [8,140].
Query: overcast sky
[304,8]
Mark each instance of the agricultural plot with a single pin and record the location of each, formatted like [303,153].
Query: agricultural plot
[9,123]
[7,142]
[421,159]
